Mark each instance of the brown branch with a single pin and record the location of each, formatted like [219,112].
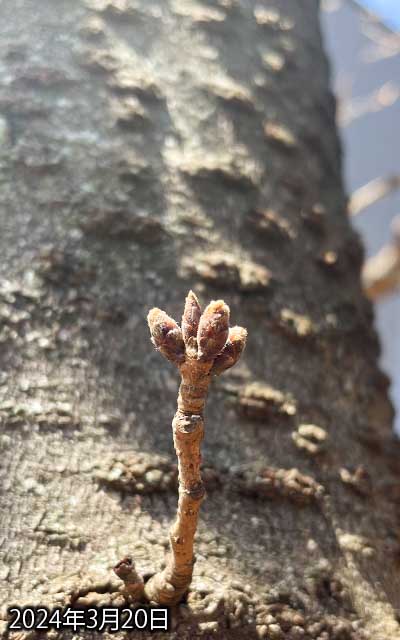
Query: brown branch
[381,273]
[372,192]
[204,347]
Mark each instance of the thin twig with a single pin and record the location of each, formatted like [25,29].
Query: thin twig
[203,347]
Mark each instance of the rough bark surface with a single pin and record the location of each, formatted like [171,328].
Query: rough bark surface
[148,148]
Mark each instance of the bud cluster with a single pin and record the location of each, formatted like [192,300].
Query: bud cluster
[204,336]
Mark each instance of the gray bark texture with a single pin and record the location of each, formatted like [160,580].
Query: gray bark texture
[148,148]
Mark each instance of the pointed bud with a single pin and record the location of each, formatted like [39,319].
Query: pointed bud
[191,317]
[213,330]
[166,335]
[231,352]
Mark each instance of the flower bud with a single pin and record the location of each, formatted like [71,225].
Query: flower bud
[213,330]
[231,352]
[166,335]
[191,317]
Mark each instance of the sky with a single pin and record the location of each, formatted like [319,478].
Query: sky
[387,10]
[371,140]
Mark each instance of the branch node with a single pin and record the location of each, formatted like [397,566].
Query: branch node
[133,582]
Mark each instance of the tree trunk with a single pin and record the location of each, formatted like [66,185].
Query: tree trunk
[149,148]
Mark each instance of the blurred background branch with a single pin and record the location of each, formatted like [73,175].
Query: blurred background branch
[372,192]
[381,273]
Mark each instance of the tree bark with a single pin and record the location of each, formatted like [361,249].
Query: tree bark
[148,148]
